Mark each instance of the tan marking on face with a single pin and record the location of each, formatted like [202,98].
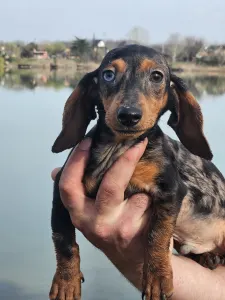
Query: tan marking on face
[147,64]
[106,103]
[119,64]
[111,106]
[151,107]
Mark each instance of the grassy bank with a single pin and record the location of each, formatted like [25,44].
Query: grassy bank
[73,66]
[1,66]
[191,68]
[44,64]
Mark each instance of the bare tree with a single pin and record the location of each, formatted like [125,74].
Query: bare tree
[139,35]
[192,46]
[173,46]
[183,48]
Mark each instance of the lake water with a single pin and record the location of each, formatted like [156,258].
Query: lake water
[30,119]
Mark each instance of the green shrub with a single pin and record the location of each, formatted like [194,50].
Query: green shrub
[1,66]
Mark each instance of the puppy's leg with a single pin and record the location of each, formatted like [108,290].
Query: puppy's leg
[208,260]
[157,270]
[66,283]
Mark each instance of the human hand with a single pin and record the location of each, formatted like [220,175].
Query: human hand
[116,226]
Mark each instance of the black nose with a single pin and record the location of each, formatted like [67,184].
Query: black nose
[129,116]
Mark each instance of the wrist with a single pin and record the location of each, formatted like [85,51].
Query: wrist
[129,264]
[204,284]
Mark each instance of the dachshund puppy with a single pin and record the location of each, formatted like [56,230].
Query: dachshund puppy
[132,88]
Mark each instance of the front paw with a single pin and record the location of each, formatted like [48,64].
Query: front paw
[66,287]
[157,286]
[210,260]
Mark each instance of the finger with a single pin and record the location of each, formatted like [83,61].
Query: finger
[54,173]
[71,186]
[115,181]
[136,215]
[137,205]
[74,169]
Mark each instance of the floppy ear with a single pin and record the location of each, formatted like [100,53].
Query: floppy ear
[186,119]
[79,110]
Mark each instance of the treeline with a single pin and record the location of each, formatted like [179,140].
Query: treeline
[1,65]
[78,48]
[177,48]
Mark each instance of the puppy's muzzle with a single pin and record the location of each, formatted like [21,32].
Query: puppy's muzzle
[129,116]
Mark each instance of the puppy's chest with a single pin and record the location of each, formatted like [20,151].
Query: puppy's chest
[102,158]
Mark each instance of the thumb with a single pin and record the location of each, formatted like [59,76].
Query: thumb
[54,173]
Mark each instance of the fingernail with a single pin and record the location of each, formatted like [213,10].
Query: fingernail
[141,143]
[145,140]
[85,144]
[139,147]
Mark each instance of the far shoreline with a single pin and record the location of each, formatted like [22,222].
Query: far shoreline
[193,69]
[72,66]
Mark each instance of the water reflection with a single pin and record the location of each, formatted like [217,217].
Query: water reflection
[30,80]
[11,291]
[28,127]
[199,85]
[209,85]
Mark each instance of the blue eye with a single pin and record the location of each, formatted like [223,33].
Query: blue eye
[109,75]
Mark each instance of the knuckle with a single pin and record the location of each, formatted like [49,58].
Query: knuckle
[65,187]
[76,221]
[102,231]
[141,201]
[109,188]
[124,233]
[69,196]
[127,159]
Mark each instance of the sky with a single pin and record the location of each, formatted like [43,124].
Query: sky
[30,20]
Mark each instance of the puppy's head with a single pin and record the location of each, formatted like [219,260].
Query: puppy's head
[135,88]
[133,85]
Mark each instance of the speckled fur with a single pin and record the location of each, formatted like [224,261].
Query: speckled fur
[186,189]
[201,183]
[204,182]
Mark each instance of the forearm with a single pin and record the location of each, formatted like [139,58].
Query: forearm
[191,281]
[116,226]
[194,282]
